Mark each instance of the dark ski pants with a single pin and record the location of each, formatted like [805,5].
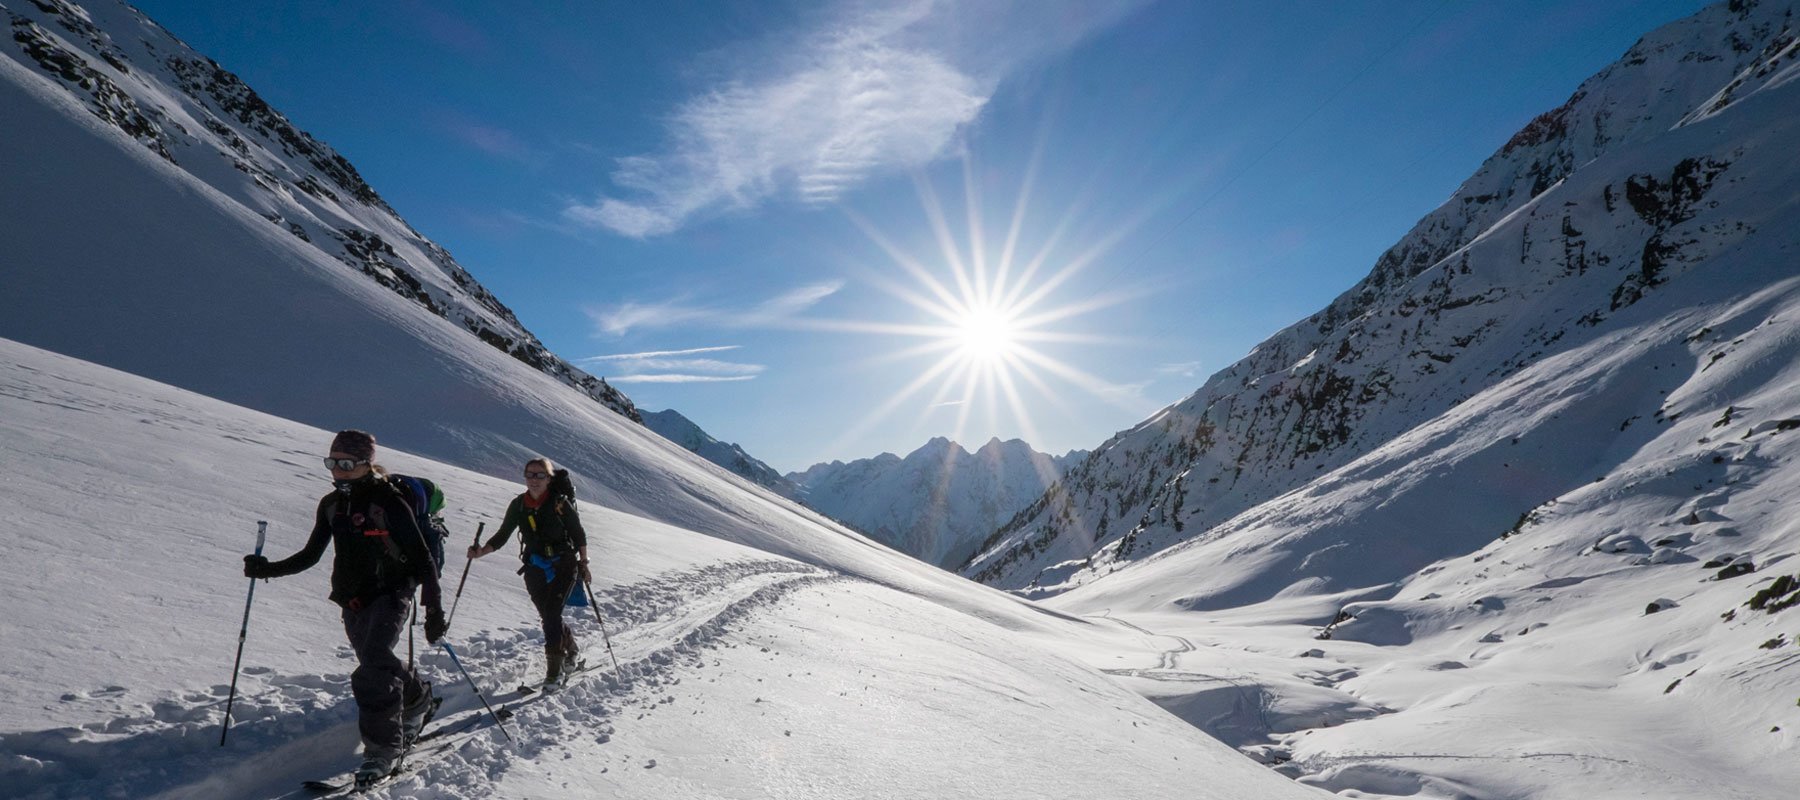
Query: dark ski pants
[548,594]
[382,681]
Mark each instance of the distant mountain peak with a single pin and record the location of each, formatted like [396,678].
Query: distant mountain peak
[671,425]
[939,500]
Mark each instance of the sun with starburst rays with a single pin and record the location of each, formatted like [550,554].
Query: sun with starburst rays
[984,334]
[988,316]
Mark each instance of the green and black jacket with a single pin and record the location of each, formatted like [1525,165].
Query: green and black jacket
[550,529]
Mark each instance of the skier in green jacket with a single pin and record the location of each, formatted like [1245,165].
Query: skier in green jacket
[554,548]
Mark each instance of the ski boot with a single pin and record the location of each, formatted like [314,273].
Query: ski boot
[418,714]
[553,665]
[375,769]
[571,656]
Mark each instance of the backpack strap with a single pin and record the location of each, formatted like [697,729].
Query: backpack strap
[341,507]
[404,489]
[555,504]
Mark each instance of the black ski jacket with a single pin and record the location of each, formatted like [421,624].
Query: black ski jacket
[377,543]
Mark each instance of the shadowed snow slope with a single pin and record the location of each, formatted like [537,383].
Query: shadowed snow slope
[127,505]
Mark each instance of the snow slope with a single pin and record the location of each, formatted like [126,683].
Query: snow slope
[117,69]
[1606,642]
[938,502]
[127,505]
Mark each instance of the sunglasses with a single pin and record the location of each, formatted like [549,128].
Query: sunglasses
[536,476]
[344,464]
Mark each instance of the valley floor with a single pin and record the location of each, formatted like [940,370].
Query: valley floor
[1430,720]
[1527,670]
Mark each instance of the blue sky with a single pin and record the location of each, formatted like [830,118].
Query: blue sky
[757,213]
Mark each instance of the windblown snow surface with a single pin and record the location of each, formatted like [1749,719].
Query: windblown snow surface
[128,505]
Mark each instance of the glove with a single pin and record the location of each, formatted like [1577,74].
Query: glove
[586,576]
[476,551]
[257,567]
[435,625]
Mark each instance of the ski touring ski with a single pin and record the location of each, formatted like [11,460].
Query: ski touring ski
[562,681]
[344,783]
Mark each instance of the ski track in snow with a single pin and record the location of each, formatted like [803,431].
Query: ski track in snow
[305,728]
[1250,699]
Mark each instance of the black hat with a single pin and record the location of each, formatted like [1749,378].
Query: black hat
[359,444]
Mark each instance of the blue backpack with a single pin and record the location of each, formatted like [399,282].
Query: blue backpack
[426,501]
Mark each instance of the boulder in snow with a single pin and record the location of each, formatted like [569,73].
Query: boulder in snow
[1621,543]
[1743,567]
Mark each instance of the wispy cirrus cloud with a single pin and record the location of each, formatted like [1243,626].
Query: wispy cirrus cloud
[710,365]
[493,141]
[1125,394]
[1185,369]
[483,136]
[866,93]
[675,378]
[656,354]
[776,311]
[674,366]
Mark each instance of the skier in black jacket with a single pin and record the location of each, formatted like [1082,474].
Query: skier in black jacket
[380,558]
[554,547]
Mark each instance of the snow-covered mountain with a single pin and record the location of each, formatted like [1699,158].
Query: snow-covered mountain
[671,425]
[129,74]
[939,501]
[1663,187]
[1514,517]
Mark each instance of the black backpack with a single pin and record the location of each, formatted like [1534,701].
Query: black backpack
[426,501]
[561,485]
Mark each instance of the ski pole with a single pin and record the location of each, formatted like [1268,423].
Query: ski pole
[262,529]
[477,689]
[465,578]
[595,603]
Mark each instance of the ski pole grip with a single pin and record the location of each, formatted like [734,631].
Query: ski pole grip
[479,526]
[262,532]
